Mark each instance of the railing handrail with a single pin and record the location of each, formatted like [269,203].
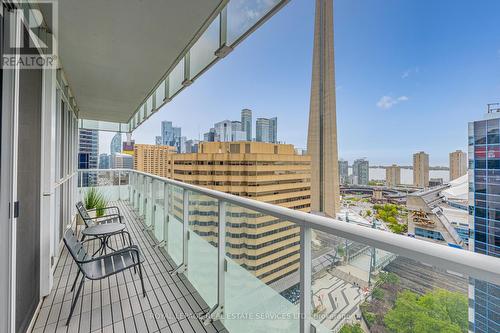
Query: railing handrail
[476,265]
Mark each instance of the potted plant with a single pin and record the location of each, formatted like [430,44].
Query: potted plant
[94,199]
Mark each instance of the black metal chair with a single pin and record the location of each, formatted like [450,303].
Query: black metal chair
[97,268]
[112,215]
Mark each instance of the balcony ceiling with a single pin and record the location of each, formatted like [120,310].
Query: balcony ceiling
[113,52]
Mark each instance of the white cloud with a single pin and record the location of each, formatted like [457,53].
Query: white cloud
[410,71]
[387,102]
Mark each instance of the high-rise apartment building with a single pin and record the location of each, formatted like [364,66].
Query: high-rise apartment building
[262,126]
[360,172]
[458,164]
[421,169]
[88,150]
[246,123]
[393,175]
[116,144]
[344,171]
[272,173]
[484,216]
[322,131]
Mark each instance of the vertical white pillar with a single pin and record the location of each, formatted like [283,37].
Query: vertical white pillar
[47,147]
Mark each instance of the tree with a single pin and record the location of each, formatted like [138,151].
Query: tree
[437,311]
[348,328]
[378,294]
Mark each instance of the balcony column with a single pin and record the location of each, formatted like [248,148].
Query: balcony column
[48,178]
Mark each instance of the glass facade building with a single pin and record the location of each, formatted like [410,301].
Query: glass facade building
[484,214]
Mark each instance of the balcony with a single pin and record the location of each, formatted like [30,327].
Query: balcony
[339,273]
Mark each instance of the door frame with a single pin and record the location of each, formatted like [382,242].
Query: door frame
[8,182]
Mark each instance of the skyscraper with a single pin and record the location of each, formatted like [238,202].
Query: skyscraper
[484,221]
[421,169]
[209,136]
[158,140]
[223,131]
[104,161]
[88,154]
[393,176]
[246,123]
[237,134]
[458,164]
[322,132]
[273,130]
[360,172]
[116,144]
[171,136]
[343,171]
[262,126]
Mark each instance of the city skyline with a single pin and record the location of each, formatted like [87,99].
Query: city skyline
[412,77]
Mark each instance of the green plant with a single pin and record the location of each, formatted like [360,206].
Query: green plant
[348,328]
[369,318]
[93,199]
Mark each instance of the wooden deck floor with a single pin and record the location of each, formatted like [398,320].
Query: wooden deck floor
[115,304]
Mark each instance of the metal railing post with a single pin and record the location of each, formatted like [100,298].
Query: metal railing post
[185,225]
[221,257]
[165,212]
[305,279]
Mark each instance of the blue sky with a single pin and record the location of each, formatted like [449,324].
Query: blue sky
[410,75]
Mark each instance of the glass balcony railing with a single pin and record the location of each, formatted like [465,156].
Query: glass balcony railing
[265,268]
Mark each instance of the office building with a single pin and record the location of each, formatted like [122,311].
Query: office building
[344,171]
[88,150]
[192,146]
[209,136]
[116,144]
[262,126]
[158,140]
[171,136]
[458,164]
[360,172]
[393,175]
[104,161]
[238,168]
[421,169]
[246,123]
[121,161]
[322,130]
[237,134]
[182,145]
[273,130]
[484,209]
[223,131]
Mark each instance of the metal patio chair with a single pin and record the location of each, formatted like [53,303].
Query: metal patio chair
[97,268]
[112,215]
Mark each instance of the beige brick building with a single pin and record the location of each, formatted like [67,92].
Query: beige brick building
[421,169]
[458,164]
[154,159]
[393,175]
[273,173]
